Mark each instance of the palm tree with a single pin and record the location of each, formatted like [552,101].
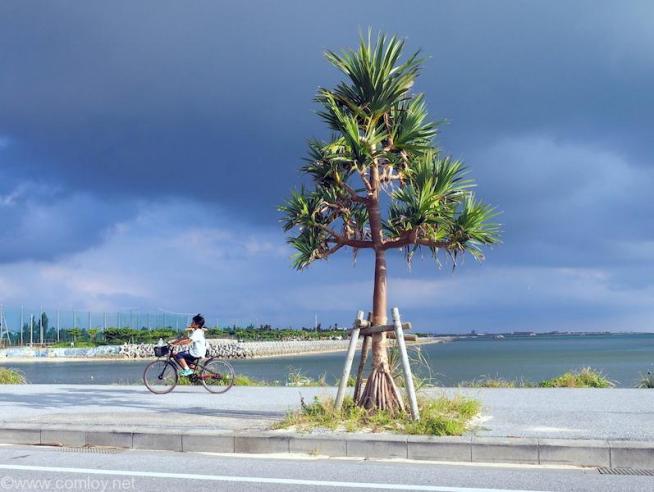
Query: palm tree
[382,146]
[93,333]
[75,333]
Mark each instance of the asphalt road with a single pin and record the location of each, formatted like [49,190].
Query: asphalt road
[36,469]
[621,414]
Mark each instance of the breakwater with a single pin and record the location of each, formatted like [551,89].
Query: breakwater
[225,349]
[232,349]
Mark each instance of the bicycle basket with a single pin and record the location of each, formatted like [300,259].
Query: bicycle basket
[161,351]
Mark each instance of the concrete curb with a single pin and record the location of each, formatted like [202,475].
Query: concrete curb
[598,453]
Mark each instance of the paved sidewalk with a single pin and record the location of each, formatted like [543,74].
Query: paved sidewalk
[620,414]
[609,428]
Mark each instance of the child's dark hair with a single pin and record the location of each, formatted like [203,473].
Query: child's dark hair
[198,320]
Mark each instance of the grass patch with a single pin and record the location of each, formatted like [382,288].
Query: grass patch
[11,376]
[243,380]
[438,417]
[298,378]
[419,365]
[239,380]
[497,382]
[646,381]
[584,378]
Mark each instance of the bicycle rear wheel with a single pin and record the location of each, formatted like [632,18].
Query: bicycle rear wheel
[217,376]
[160,377]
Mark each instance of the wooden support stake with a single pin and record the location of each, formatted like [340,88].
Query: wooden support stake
[408,377]
[362,362]
[407,337]
[354,338]
[380,328]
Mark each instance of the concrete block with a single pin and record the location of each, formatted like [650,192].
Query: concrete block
[375,446]
[166,442]
[261,443]
[208,443]
[439,448]
[63,437]
[632,454]
[504,450]
[20,436]
[318,445]
[113,439]
[574,452]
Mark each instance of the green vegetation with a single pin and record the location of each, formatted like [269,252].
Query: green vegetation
[11,376]
[646,381]
[438,417]
[294,378]
[297,378]
[77,344]
[85,337]
[584,378]
[243,380]
[239,380]
[496,382]
[117,336]
[268,333]
[419,365]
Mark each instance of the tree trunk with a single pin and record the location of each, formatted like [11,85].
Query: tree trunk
[380,393]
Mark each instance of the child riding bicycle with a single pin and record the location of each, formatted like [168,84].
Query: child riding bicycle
[197,349]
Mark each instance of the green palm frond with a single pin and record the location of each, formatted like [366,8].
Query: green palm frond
[435,185]
[446,175]
[308,245]
[300,210]
[326,168]
[473,228]
[377,81]
[410,132]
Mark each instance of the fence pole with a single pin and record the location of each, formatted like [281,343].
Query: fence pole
[41,325]
[354,339]
[57,324]
[31,329]
[22,322]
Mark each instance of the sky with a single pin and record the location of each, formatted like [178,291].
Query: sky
[145,146]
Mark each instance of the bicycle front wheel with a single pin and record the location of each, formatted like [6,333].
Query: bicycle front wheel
[160,377]
[217,376]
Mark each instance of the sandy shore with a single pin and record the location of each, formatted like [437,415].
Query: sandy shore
[300,353]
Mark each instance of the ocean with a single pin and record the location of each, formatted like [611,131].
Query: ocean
[621,357]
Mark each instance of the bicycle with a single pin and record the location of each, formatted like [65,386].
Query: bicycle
[162,375]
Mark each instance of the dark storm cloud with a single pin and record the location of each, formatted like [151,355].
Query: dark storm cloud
[43,224]
[213,100]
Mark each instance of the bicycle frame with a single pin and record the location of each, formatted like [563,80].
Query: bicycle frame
[172,360]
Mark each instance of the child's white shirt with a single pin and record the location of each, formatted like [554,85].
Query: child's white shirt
[198,343]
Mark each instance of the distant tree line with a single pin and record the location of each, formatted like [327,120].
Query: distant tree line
[116,336]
